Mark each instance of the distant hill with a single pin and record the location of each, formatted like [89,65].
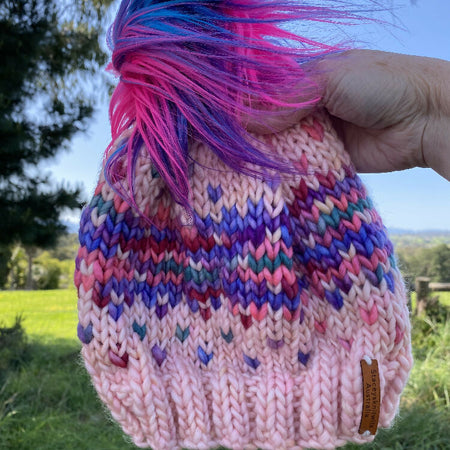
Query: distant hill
[427,232]
[426,238]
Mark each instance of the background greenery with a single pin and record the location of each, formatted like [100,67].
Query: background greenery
[51,269]
[425,254]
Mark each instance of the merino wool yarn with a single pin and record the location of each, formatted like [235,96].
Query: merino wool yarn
[244,322]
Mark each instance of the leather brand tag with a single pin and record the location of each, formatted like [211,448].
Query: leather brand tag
[371,397]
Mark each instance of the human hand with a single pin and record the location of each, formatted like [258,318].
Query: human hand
[391,110]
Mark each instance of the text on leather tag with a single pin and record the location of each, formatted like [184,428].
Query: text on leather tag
[371,396]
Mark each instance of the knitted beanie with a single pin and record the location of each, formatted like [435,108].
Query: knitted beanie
[270,316]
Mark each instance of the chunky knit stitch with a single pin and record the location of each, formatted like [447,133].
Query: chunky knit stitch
[243,323]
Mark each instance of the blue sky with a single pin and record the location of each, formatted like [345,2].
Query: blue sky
[415,199]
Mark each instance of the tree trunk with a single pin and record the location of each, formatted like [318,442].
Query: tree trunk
[5,257]
[30,251]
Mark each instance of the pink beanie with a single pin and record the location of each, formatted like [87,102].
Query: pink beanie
[272,316]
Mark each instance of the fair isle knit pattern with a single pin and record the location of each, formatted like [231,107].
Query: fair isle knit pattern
[243,324]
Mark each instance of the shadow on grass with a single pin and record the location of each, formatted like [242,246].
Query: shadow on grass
[47,402]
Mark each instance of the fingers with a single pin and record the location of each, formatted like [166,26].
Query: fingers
[366,88]
[392,111]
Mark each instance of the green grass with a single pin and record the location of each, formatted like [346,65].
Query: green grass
[444,298]
[48,315]
[50,404]
[47,401]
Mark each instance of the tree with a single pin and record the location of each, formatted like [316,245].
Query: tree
[440,263]
[47,51]
[432,262]
[67,247]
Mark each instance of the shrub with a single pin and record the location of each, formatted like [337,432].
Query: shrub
[13,347]
[433,262]
[47,271]
[17,269]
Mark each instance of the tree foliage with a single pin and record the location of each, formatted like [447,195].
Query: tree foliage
[46,47]
[49,52]
[433,262]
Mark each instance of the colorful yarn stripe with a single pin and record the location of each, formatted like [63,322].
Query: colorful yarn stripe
[207,265]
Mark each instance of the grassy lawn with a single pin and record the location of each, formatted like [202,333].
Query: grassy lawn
[47,402]
[444,298]
[48,315]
